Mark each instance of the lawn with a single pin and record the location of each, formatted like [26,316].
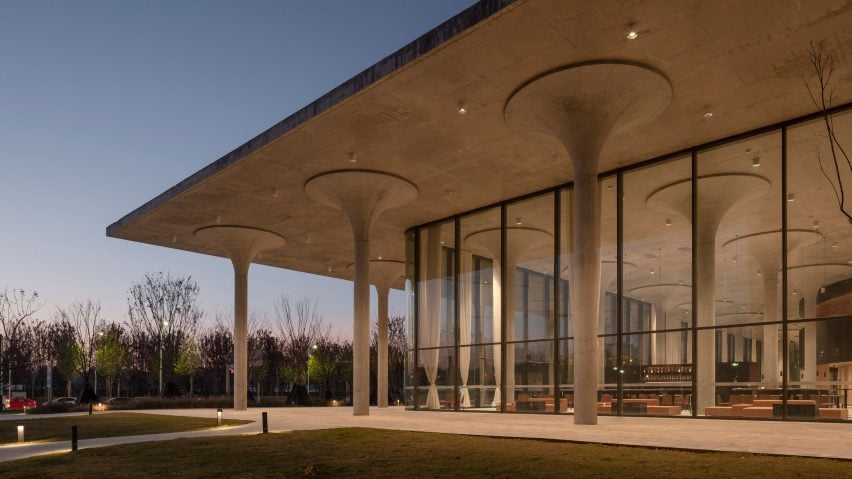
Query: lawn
[368,453]
[102,425]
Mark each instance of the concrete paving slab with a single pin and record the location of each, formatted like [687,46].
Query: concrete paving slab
[761,437]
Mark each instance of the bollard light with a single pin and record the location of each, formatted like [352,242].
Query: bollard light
[219,417]
[20,433]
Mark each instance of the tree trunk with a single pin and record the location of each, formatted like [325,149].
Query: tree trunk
[68,388]
[190,385]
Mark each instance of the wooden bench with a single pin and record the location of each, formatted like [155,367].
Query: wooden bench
[663,410]
[720,411]
[833,413]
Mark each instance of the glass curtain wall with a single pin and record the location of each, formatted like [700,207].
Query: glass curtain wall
[818,292]
[726,289]
[656,313]
[480,320]
[739,239]
[436,318]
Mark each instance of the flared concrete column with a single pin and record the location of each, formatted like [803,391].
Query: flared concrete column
[581,105]
[241,244]
[520,240]
[384,274]
[362,195]
[717,194]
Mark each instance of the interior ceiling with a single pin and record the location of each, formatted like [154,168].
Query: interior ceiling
[744,61]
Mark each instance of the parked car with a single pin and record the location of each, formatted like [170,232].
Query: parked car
[71,401]
[19,403]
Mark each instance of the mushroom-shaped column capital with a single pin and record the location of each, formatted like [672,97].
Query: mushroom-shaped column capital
[240,243]
[361,194]
[581,105]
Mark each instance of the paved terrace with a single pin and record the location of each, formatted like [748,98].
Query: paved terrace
[762,437]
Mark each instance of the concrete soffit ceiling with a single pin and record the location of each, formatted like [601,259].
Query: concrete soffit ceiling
[745,62]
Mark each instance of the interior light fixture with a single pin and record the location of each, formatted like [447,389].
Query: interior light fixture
[822,290]
[218,219]
[668,222]
[834,245]
[759,273]
[518,221]
[462,108]
[652,271]
[791,197]
[708,115]
[815,224]
[380,257]
[632,34]
[353,158]
[755,162]
[329,269]
[174,239]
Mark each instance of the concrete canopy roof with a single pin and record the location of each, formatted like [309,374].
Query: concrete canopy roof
[744,61]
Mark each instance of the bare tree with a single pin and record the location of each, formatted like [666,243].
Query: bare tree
[216,348]
[301,328]
[17,311]
[85,318]
[166,309]
[839,171]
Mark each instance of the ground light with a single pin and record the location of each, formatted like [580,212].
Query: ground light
[219,417]
[20,433]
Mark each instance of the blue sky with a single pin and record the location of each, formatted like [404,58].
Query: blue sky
[105,104]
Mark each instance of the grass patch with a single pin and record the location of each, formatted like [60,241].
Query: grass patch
[103,425]
[383,453]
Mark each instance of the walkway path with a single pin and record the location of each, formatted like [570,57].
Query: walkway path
[765,437]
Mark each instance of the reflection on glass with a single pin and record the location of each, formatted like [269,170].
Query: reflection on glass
[532,385]
[439,390]
[436,306]
[477,378]
[480,320]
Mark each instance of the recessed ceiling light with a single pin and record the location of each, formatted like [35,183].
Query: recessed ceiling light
[755,162]
[632,34]
[791,197]
[708,114]
[815,224]
[518,221]
[353,158]
[834,245]
[329,269]
[668,222]
[462,108]
[759,273]
[380,257]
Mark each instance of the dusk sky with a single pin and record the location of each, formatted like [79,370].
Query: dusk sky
[104,105]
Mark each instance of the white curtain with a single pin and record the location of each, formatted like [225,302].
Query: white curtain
[430,317]
[465,309]
[497,327]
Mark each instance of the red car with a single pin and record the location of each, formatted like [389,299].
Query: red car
[19,403]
